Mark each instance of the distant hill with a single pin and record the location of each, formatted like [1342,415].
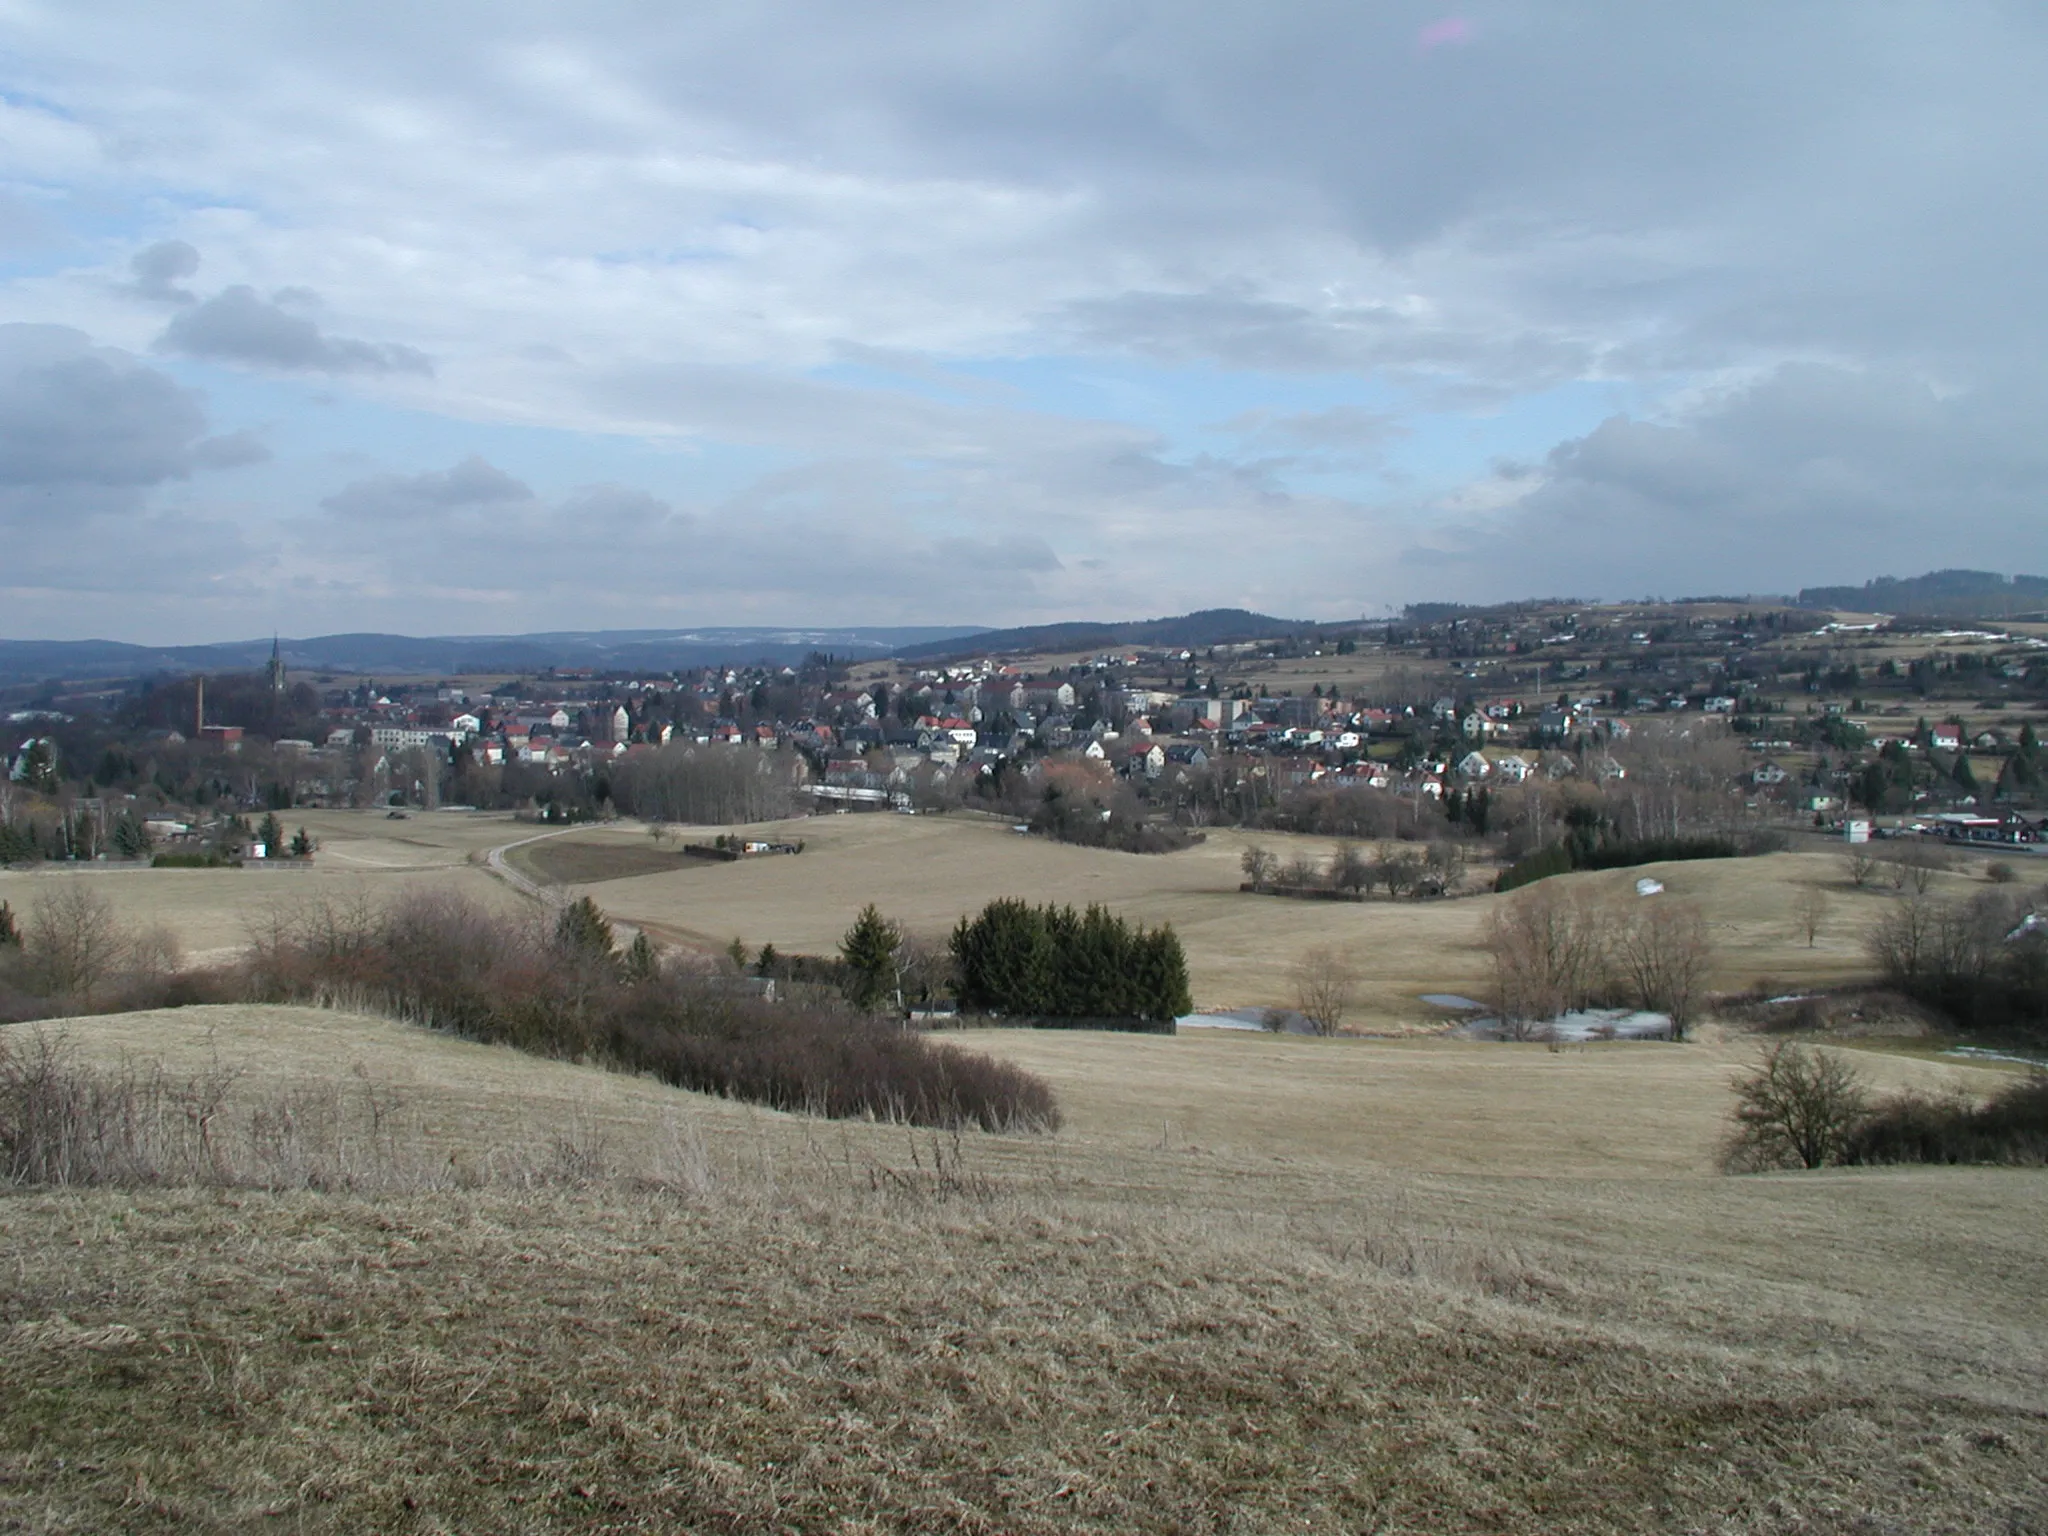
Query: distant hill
[654,650]
[1211,626]
[1963,594]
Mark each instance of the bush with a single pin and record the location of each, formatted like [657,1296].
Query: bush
[2011,1128]
[211,860]
[1799,1109]
[550,989]
[1982,962]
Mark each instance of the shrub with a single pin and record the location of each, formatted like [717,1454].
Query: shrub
[1799,1109]
[2012,1127]
[448,964]
[211,860]
[1982,962]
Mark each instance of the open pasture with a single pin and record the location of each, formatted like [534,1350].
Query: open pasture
[1267,1316]
[927,872]
[363,855]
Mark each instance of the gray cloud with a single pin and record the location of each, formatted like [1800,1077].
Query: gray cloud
[1018,553]
[158,268]
[231,450]
[238,326]
[75,418]
[473,483]
[1810,474]
[613,510]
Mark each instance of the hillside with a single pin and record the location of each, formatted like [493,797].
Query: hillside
[449,655]
[1211,626]
[1956,593]
[625,1308]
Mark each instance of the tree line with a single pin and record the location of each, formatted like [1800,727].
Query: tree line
[1052,962]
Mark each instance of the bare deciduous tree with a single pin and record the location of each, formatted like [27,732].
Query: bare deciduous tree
[72,943]
[1548,943]
[1859,864]
[1809,911]
[1325,985]
[1349,870]
[1258,864]
[1798,1109]
[1662,952]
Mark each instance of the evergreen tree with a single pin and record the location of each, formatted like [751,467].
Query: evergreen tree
[10,930]
[869,950]
[583,930]
[641,959]
[131,838]
[270,833]
[302,844]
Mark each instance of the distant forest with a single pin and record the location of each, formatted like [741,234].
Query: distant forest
[1963,594]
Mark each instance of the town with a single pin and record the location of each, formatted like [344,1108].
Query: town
[1445,722]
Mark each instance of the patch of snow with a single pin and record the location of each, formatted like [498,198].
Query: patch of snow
[1980,1053]
[1242,1018]
[1451,1000]
[1586,1024]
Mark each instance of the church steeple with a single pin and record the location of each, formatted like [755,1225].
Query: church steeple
[276,671]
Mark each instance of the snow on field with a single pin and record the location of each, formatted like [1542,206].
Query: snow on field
[1586,1024]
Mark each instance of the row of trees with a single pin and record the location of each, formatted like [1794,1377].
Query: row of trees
[1982,961]
[1056,963]
[1397,868]
[704,785]
[1556,949]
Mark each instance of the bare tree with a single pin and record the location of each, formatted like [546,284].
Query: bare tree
[1325,986]
[1349,870]
[1548,943]
[1663,952]
[1258,864]
[1797,1110]
[1809,911]
[1299,872]
[1859,864]
[1398,869]
[72,942]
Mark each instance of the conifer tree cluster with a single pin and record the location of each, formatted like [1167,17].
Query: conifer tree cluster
[1054,962]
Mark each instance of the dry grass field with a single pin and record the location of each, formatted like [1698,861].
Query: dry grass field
[927,872]
[1256,1284]
[363,854]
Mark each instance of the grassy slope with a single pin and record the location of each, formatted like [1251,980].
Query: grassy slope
[1252,1322]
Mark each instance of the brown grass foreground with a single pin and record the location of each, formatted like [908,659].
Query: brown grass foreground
[849,1328]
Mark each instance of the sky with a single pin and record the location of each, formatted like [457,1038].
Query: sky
[489,318]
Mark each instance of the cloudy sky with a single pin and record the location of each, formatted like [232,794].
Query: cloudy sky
[499,317]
